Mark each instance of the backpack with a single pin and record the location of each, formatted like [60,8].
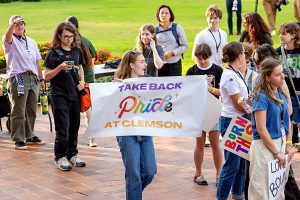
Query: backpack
[174,32]
[112,64]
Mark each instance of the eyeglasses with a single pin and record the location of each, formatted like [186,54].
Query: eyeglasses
[68,36]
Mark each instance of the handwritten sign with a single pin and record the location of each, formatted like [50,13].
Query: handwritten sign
[155,106]
[238,137]
[277,178]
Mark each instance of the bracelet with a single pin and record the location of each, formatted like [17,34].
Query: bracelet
[213,90]
[42,79]
[288,142]
[82,82]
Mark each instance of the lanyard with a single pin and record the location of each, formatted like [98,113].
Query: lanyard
[22,38]
[217,45]
[238,73]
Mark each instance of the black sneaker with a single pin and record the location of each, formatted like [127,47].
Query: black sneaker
[20,145]
[35,140]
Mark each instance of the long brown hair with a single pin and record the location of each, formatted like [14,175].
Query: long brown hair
[268,66]
[87,56]
[256,28]
[56,42]
[151,29]
[124,69]
[293,29]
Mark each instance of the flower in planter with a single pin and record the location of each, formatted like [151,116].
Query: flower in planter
[102,56]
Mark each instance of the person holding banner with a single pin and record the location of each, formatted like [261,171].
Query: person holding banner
[232,87]
[138,153]
[66,80]
[152,52]
[204,66]
[270,126]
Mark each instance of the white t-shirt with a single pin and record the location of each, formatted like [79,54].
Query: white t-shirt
[231,84]
[215,40]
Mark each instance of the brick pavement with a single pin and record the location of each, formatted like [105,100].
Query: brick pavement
[31,174]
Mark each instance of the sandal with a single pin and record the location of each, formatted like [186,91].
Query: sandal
[200,180]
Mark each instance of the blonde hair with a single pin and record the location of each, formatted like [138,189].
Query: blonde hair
[124,69]
[268,66]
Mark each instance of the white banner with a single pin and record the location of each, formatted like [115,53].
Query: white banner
[277,178]
[238,137]
[153,106]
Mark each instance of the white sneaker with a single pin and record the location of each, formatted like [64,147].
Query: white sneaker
[63,164]
[91,142]
[77,162]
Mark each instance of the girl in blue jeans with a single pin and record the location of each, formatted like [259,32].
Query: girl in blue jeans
[137,151]
[232,87]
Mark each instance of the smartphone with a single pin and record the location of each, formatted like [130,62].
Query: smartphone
[71,62]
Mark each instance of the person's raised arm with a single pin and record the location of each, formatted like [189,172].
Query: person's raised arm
[10,30]
[158,61]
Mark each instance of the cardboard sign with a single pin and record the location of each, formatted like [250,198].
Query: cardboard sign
[238,137]
[277,178]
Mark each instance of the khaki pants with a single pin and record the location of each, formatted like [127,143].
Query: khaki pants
[270,10]
[260,155]
[297,9]
[23,108]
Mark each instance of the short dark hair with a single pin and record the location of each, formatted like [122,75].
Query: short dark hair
[73,20]
[202,51]
[172,18]
[265,51]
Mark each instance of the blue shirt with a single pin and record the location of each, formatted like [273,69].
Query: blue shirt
[277,115]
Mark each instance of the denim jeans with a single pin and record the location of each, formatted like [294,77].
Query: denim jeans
[296,111]
[140,165]
[66,112]
[238,15]
[233,171]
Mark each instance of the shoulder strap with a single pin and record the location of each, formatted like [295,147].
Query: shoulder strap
[175,33]
[250,81]
[173,29]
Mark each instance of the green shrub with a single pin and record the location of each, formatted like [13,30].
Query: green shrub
[2,62]
[5,1]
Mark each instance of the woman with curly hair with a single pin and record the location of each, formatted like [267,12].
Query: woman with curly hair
[256,31]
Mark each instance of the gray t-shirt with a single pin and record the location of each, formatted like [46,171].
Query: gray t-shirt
[148,54]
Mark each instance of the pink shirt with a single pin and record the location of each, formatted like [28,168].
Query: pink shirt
[21,57]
